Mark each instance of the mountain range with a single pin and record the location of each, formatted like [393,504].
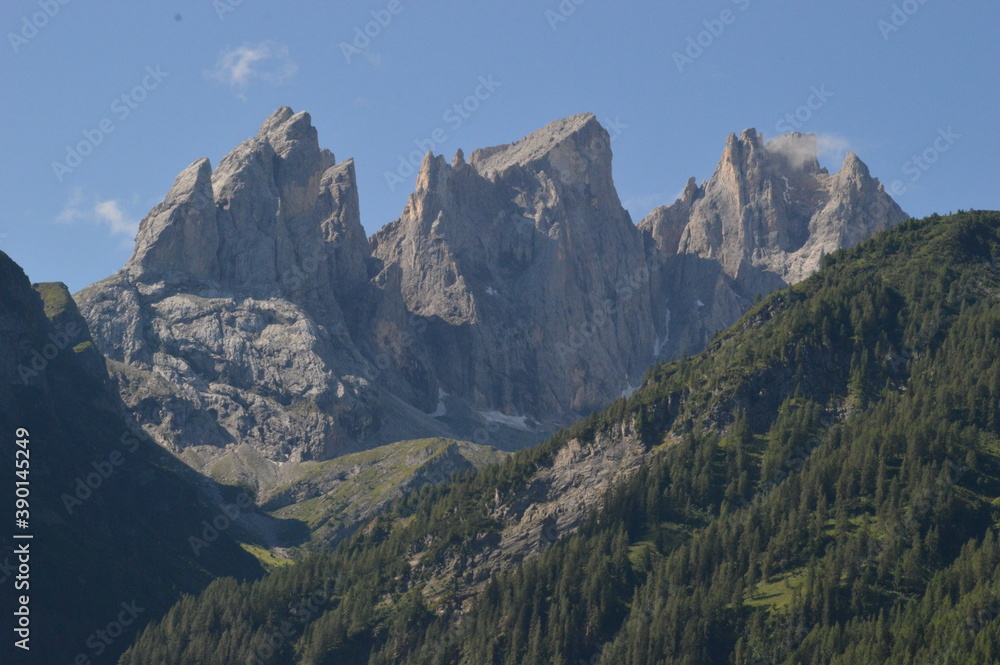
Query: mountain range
[255,327]
[261,360]
[820,485]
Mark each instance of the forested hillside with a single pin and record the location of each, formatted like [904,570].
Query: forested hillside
[821,486]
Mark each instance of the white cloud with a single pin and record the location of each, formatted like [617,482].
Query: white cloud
[107,213]
[267,62]
[801,148]
[110,213]
[641,205]
[830,145]
[72,211]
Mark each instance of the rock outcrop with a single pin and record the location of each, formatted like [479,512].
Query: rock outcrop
[231,328]
[763,221]
[531,275]
[255,327]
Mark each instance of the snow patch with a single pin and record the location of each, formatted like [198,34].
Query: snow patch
[491,291]
[788,188]
[441,409]
[700,303]
[514,422]
[658,346]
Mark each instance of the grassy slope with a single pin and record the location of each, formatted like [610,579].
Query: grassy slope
[334,496]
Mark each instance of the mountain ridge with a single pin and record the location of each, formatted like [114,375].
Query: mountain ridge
[256,325]
[810,437]
[98,487]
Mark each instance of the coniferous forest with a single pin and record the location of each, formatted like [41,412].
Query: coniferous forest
[820,486]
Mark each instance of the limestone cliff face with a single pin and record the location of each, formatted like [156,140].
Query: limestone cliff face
[226,330]
[278,216]
[530,273]
[255,325]
[763,221]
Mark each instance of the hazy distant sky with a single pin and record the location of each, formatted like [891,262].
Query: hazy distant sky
[200,76]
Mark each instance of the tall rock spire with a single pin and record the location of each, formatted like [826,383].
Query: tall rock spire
[764,220]
[530,270]
[277,206]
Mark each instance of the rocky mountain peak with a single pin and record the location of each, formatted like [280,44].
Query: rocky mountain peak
[764,220]
[285,126]
[569,147]
[275,203]
[853,166]
[743,149]
[763,207]
[180,235]
[514,253]
[691,192]
[257,323]
[433,170]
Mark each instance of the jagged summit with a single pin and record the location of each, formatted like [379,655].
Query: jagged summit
[250,223]
[242,295]
[517,251]
[582,131]
[257,324]
[180,234]
[764,220]
[853,164]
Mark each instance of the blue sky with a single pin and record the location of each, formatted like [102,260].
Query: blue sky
[151,87]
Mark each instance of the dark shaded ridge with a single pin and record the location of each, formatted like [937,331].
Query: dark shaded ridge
[110,512]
